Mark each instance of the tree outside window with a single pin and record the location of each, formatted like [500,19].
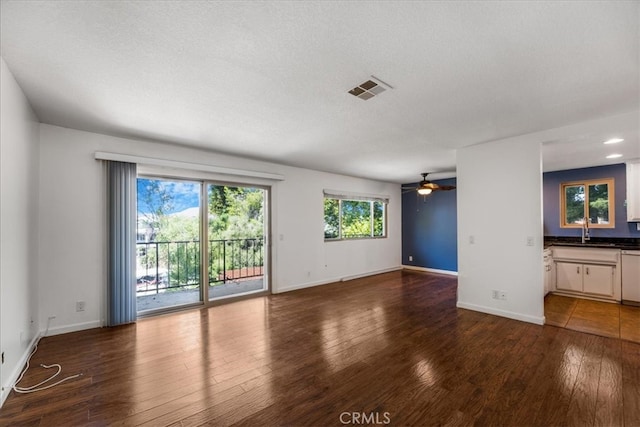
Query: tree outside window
[593,200]
[353,219]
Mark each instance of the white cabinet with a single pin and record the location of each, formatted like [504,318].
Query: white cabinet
[589,272]
[548,278]
[598,280]
[631,277]
[548,273]
[569,276]
[585,278]
[633,191]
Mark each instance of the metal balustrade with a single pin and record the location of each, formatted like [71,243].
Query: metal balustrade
[175,265]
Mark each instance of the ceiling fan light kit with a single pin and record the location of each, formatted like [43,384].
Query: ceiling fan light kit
[425,187]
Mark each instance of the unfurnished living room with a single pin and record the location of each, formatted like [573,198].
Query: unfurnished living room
[319,213]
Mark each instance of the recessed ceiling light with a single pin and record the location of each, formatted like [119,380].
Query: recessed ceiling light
[613,140]
[614,156]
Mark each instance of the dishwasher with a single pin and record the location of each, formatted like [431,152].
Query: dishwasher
[631,277]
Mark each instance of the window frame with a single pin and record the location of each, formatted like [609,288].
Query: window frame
[372,200]
[610,182]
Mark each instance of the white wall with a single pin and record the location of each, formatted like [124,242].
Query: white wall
[72,222]
[499,198]
[18,226]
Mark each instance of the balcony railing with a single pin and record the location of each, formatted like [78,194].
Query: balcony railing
[166,266]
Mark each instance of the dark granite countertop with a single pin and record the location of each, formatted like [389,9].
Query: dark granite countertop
[624,243]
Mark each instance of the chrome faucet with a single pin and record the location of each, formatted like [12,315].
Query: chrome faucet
[585,229]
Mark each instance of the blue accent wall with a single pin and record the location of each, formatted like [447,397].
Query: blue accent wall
[551,198]
[429,228]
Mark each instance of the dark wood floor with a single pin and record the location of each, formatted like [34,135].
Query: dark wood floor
[393,347]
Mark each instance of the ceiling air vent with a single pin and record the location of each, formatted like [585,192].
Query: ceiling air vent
[369,89]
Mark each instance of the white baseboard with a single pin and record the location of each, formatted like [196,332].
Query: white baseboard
[13,377]
[333,280]
[305,285]
[64,329]
[502,313]
[8,385]
[371,273]
[429,270]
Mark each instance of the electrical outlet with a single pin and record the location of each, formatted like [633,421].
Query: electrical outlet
[530,241]
[410,257]
[80,305]
[472,240]
[495,294]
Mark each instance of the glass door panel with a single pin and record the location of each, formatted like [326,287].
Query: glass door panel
[236,242]
[168,244]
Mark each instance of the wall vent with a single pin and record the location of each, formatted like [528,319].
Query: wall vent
[369,89]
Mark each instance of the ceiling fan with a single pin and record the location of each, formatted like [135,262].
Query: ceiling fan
[427,187]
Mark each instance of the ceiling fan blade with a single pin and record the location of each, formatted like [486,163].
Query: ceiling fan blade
[447,187]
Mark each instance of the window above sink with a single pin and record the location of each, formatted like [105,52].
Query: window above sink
[593,199]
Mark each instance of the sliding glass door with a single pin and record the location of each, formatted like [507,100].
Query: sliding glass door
[173,215]
[168,243]
[236,244]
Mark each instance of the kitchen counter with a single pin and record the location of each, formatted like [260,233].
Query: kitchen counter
[630,243]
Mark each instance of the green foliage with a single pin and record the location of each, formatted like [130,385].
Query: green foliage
[598,207]
[331,218]
[574,204]
[599,203]
[351,219]
[378,219]
[156,200]
[356,219]
[236,214]
[177,228]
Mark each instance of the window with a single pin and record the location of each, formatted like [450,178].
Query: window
[587,199]
[354,217]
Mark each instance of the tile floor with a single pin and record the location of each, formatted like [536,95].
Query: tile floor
[594,317]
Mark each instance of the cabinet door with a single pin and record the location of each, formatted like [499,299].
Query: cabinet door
[633,191]
[569,276]
[545,274]
[598,279]
[548,278]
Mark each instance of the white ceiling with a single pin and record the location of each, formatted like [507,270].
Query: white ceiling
[269,80]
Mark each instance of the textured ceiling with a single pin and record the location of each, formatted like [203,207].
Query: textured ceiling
[269,80]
